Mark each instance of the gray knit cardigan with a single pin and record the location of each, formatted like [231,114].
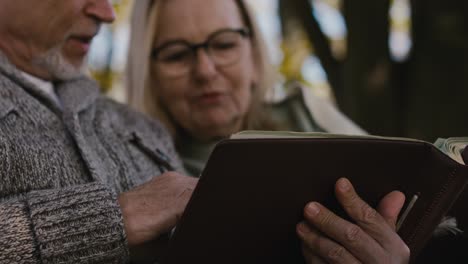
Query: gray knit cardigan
[62,167]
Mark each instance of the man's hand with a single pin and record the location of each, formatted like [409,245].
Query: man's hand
[328,238]
[154,208]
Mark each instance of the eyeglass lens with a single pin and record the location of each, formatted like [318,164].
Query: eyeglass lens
[224,48]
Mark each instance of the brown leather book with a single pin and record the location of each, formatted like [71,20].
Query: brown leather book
[252,192]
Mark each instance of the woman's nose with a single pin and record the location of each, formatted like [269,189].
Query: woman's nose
[204,67]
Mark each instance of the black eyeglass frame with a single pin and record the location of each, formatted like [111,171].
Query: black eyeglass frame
[244,32]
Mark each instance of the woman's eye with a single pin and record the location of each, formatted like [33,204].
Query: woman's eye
[224,45]
[178,56]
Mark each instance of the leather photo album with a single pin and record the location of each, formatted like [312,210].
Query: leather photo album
[255,185]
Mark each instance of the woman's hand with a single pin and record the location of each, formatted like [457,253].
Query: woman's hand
[327,238]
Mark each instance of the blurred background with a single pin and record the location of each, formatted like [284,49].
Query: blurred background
[396,67]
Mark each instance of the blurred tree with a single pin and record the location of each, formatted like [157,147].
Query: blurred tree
[105,63]
[423,97]
[437,72]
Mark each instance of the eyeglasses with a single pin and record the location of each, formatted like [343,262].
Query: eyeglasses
[224,47]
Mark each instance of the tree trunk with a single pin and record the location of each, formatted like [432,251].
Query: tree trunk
[427,96]
[438,94]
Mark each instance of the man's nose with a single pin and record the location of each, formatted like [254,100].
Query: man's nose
[102,10]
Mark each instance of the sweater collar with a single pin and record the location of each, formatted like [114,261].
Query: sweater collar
[46,86]
[75,95]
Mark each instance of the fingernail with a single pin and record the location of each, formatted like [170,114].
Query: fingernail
[344,184]
[303,228]
[313,209]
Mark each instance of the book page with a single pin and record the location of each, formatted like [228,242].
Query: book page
[257,134]
[453,147]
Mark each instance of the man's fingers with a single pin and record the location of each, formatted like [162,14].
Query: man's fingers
[365,216]
[372,239]
[390,206]
[348,235]
[310,257]
[155,207]
[370,220]
[317,248]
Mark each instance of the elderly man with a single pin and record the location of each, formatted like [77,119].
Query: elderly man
[66,151]
[78,171]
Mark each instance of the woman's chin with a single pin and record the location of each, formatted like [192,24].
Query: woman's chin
[211,131]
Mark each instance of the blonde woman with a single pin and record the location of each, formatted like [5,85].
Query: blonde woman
[204,72]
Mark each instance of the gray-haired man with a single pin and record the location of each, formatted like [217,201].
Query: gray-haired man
[66,151]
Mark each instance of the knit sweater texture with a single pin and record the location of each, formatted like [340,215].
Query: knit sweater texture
[61,169]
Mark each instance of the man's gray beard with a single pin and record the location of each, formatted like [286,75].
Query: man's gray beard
[57,66]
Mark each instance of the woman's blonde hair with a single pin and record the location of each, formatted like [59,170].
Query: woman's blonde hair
[142,95]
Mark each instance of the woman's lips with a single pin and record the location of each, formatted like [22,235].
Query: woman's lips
[209,98]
